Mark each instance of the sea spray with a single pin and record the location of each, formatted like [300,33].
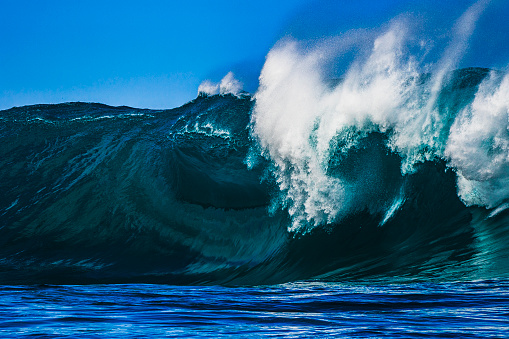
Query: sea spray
[227,85]
[301,121]
[478,145]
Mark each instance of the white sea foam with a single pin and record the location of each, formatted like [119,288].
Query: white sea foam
[478,145]
[208,88]
[228,85]
[298,118]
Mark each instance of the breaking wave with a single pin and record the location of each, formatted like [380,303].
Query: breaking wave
[394,170]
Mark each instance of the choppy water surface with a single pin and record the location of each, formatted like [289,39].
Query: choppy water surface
[308,309]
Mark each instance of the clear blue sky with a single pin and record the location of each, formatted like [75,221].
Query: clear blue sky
[155,53]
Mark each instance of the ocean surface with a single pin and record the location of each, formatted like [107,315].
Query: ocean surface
[375,204]
[477,309]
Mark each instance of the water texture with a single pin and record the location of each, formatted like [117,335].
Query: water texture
[298,310]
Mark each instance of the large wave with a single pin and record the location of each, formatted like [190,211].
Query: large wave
[394,170]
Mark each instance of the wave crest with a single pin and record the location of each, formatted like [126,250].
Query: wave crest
[300,120]
[227,85]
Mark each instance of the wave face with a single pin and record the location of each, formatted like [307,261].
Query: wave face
[199,194]
[388,172]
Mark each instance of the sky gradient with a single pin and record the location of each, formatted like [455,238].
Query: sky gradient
[154,54]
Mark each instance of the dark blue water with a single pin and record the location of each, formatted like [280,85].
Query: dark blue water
[296,310]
